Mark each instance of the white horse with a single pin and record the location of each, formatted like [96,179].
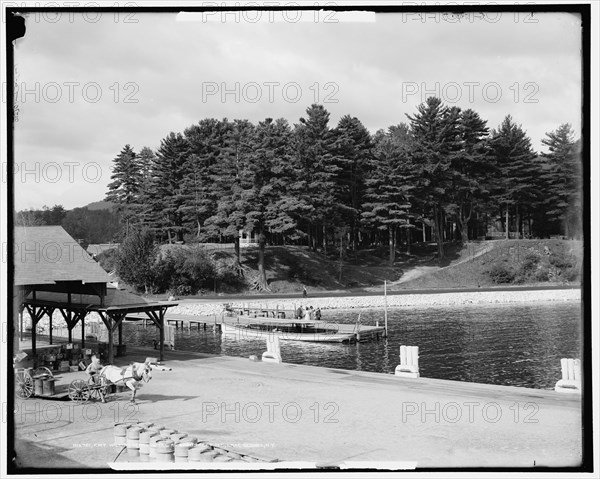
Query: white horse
[131,375]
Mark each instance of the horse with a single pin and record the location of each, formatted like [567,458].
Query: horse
[131,375]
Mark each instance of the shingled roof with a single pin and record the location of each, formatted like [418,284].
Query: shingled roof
[48,254]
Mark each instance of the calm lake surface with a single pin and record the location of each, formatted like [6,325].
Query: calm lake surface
[513,345]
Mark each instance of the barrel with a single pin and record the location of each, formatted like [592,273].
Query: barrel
[182,448]
[222,458]
[164,450]
[39,386]
[48,387]
[133,452]
[133,437]
[167,432]
[145,441]
[152,444]
[146,425]
[177,437]
[120,433]
[196,453]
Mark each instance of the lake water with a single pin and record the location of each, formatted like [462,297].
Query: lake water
[513,345]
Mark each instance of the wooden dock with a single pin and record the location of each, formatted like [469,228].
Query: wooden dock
[183,321]
[244,316]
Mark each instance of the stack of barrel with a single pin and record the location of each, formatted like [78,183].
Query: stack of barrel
[148,442]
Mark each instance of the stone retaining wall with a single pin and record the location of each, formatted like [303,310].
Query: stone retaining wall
[393,301]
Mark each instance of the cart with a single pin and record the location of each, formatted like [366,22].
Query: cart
[96,387]
[24,380]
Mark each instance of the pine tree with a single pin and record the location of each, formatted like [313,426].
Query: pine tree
[353,152]
[436,143]
[229,219]
[266,197]
[207,141]
[314,147]
[387,194]
[517,168]
[562,180]
[167,200]
[146,159]
[471,168]
[123,191]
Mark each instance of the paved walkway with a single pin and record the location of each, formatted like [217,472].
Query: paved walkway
[303,413]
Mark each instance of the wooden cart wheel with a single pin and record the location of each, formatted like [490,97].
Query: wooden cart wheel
[23,384]
[79,391]
[42,373]
[99,386]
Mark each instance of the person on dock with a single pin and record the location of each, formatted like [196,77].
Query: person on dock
[307,315]
[299,312]
[304,292]
[318,314]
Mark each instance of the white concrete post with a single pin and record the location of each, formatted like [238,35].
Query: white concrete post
[409,362]
[571,376]
[169,336]
[273,352]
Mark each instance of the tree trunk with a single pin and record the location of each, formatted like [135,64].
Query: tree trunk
[424,232]
[506,227]
[519,223]
[392,257]
[325,241]
[439,232]
[340,265]
[262,274]
[238,255]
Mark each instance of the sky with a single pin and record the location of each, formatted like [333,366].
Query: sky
[89,85]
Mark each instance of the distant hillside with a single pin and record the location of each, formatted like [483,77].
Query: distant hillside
[100,205]
[502,262]
[485,263]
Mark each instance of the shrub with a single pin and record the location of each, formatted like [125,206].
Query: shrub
[183,271]
[501,274]
[135,260]
[108,259]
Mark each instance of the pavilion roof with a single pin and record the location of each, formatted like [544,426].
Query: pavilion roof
[49,255]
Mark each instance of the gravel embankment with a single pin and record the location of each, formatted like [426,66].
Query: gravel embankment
[394,301]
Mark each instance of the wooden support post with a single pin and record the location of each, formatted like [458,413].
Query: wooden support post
[161,327]
[82,314]
[32,314]
[385,333]
[50,314]
[121,332]
[110,339]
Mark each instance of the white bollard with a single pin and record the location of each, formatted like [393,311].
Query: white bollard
[409,362]
[571,376]
[273,352]
[169,340]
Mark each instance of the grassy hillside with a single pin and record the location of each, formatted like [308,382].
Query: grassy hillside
[533,262]
[485,263]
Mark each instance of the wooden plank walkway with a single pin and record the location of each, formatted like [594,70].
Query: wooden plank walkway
[183,321]
[358,331]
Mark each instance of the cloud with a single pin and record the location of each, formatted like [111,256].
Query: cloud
[134,83]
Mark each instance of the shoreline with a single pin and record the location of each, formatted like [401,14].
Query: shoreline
[211,307]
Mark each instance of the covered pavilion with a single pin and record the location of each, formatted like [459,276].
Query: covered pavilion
[52,272]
